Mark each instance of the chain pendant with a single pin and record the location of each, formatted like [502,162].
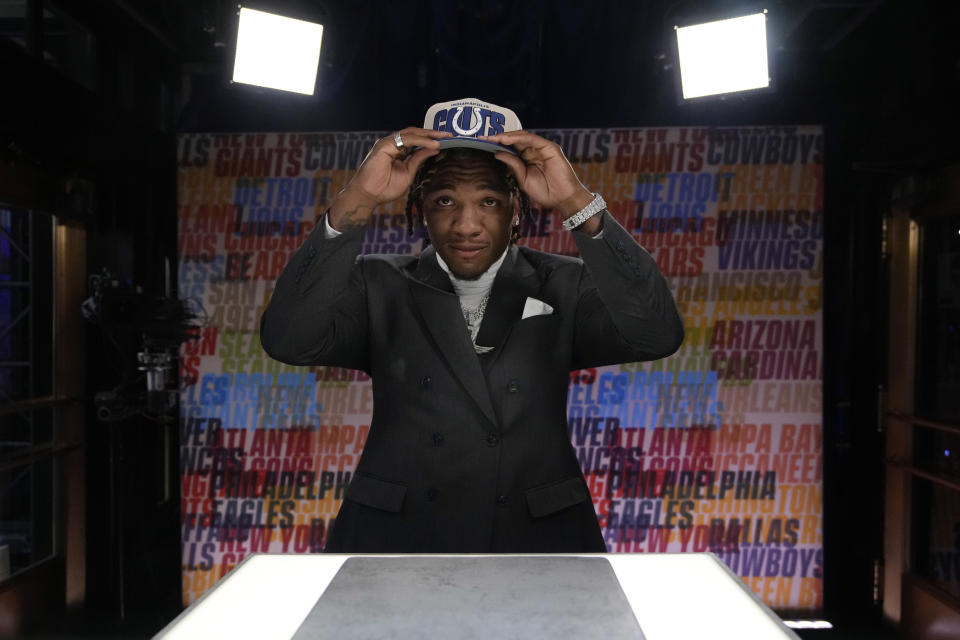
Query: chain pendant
[473,318]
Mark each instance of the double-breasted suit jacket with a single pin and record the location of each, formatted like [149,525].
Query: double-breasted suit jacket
[469,453]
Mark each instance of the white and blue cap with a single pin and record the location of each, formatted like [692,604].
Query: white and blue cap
[468,118]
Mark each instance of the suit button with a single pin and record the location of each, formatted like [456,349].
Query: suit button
[312,250]
[492,440]
[431,494]
[425,381]
[502,501]
[620,245]
[513,386]
[437,439]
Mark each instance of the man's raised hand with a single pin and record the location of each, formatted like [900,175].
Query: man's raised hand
[543,171]
[384,175]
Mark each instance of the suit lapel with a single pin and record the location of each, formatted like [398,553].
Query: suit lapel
[439,307]
[515,281]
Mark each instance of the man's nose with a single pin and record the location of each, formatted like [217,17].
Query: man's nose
[468,221]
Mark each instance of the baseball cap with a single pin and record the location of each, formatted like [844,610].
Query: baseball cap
[468,118]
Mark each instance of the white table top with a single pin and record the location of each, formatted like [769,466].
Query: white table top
[673,595]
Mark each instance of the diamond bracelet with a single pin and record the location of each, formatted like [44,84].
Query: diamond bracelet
[596,206]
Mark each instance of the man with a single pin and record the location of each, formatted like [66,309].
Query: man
[470,344]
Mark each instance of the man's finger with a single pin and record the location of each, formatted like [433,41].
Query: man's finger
[433,133]
[519,139]
[418,157]
[516,165]
[416,140]
[416,133]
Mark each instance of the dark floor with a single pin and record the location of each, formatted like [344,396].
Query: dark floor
[851,632]
[92,625]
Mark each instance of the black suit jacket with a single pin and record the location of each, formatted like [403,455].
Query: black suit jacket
[467,453]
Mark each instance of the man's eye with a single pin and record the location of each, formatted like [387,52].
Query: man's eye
[444,201]
[491,202]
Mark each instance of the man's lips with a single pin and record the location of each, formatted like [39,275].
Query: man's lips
[467,250]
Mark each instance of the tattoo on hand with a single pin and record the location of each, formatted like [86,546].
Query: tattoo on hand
[353,219]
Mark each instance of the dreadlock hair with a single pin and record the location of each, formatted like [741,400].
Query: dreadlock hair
[432,165]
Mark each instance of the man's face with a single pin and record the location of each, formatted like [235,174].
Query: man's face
[470,213]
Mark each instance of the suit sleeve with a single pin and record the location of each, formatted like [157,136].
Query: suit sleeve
[625,311]
[317,314]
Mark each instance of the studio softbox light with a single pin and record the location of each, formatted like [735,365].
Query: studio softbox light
[277,52]
[724,56]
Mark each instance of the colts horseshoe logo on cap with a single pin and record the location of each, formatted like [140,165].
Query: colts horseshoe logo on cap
[468,118]
[475,117]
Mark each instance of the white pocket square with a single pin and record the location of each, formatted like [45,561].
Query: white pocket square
[534,307]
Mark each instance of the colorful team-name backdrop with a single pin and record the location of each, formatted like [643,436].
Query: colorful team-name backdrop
[717,448]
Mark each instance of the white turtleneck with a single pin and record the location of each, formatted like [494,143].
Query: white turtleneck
[474,295]
[472,291]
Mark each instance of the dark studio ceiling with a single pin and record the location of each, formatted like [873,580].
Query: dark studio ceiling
[881,75]
[886,72]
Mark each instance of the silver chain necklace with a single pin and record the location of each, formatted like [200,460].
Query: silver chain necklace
[473,316]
